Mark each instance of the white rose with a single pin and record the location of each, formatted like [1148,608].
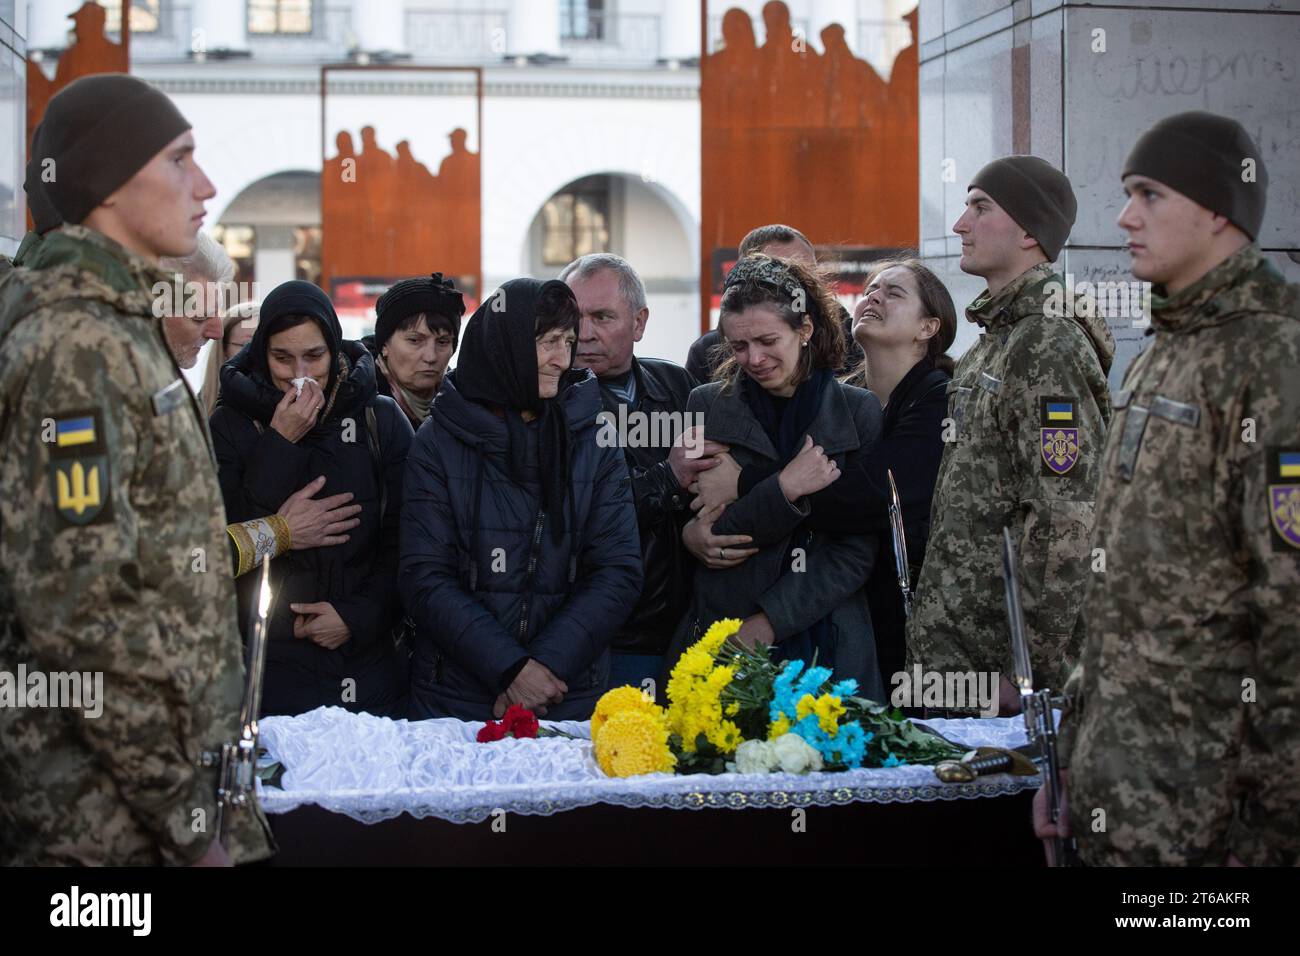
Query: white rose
[796,755]
[754,756]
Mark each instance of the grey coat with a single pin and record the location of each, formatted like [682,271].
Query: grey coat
[836,566]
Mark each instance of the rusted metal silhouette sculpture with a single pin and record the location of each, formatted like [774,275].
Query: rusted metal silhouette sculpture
[814,139]
[91,52]
[388,215]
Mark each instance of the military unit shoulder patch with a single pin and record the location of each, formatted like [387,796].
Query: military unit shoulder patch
[79,479]
[1058,435]
[1284,497]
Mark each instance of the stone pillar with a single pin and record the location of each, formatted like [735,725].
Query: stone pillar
[380,25]
[993,82]
[533,27]
[224,26]
[48,26]
[273,261]
[679,32]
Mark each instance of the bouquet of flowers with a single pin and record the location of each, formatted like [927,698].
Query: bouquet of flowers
[735,709]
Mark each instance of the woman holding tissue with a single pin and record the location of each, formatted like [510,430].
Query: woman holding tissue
[297,403]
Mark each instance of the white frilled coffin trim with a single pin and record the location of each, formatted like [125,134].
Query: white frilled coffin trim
[373,769]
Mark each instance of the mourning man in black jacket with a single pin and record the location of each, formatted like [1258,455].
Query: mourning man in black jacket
[611,298]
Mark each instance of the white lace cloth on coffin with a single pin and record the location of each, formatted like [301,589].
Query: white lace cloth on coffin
[373,769]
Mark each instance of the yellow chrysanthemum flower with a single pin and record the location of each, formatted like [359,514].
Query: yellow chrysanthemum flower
[718,680]
[733,709]
[634,742]
[696,662]
[725,736]
[717,633]
[779,728]
[695,690]
[804,707]
[618,700]
[829,710]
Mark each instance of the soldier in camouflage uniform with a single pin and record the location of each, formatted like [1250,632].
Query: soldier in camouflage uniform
[44,217]
[1184,743]
[1028,411]
[111,509]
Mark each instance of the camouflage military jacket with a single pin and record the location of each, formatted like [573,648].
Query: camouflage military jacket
[1188,736]
[113,560]
[1028,410]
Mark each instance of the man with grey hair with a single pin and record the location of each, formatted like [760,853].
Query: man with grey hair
[196,301]
[641,393]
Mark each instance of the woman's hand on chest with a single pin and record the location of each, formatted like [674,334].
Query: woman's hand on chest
[808,472]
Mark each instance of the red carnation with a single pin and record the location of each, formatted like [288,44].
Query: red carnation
[491,731]
[520,722]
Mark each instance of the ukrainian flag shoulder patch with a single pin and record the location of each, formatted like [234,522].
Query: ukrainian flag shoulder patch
[1057,411]
[74,431]
[80,485]
[1059,437]
[1284,498]
[1288,464]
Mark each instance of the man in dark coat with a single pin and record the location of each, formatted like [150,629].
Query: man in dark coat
[332,620]
[520,558]
[647,397]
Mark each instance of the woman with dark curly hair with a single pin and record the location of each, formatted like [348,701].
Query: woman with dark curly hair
[791,428]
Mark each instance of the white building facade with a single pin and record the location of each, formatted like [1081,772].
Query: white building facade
[590,137]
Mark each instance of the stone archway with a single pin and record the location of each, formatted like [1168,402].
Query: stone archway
[639,220]
[272,229]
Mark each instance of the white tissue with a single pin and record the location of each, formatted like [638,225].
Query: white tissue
[298,383]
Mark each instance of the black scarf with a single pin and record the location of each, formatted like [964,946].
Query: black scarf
[295,297]
[786,429]
[497,366]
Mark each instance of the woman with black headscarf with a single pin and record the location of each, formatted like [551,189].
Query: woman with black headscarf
[520,558]
[778,407]
[299,402]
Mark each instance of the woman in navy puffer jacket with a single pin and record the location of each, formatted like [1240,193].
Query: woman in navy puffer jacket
[519,551]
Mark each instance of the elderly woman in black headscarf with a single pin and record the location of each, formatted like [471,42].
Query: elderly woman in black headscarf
[417,323]
[520,558]
[299,402]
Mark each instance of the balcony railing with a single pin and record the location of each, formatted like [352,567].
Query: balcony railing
[456,36]
[602,37]
[450,36]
